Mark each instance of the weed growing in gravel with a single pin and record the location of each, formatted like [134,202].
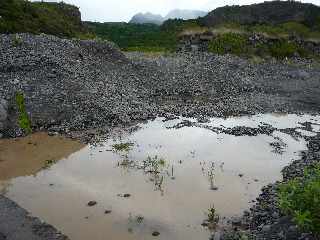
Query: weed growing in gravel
[23,120]
[300,198]
[17,41]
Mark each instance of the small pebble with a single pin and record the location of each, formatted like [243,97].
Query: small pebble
[155,234]
[92,203]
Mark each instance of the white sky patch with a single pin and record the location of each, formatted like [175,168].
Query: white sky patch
[123,10]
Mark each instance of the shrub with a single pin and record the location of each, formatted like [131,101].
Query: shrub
[300,198]
[23,120]
[229,43]
[283,48]
[17,41]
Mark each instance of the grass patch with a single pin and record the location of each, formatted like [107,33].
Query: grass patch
[229,43]
[23,119]
[17,41]
[300,198]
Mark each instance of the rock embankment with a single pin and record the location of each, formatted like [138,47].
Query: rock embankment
[73,85]
[16,224]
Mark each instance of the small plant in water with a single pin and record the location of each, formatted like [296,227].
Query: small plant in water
[49,163]
[122,147]
[139,219]
[213,217]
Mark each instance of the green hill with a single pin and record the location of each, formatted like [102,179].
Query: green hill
[143,37]
[58,19]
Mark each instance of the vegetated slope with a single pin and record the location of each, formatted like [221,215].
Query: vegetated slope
[142,37]
[58,19]
[142,18]
[274,12]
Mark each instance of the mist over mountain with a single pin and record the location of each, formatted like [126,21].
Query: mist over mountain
[148,17]
[184,14]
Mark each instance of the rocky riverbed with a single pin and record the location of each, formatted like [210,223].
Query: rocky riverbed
[85,88]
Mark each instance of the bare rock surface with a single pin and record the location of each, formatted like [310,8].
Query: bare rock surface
[16,224]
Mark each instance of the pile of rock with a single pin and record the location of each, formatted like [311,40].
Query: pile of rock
[3,116]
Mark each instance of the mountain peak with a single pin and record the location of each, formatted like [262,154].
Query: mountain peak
[149,17]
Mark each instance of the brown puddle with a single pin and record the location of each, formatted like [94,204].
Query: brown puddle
[27,156]
[172,176]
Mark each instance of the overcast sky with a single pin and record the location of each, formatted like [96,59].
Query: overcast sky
[123,10]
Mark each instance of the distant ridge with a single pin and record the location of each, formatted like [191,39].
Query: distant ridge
[142,18]
[273,12]
[148,17]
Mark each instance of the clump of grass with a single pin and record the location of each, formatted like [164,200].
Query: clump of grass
[300,198]
[123,147]
[23,120]
[17,41]
[213,217]
[49,163]
[282,49]
[228,43]
[153,164]
[139,219]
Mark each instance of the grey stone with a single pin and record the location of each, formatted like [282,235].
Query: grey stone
[3,113]
[266,228]
[4,103]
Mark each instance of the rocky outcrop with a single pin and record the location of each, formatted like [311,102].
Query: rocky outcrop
[273,12]
[199,42]
[3,116]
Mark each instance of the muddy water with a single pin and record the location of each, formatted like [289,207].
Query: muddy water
[164,180]
[27,156]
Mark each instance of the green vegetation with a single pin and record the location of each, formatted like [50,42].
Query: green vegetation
[237,43]
[153,164]
[48,164]
[23,120]
[300,198]
[212,215]
[17,41]
[123,147]
[143,37]
[285,30]
[58,19]
[283,48]
[229,43]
